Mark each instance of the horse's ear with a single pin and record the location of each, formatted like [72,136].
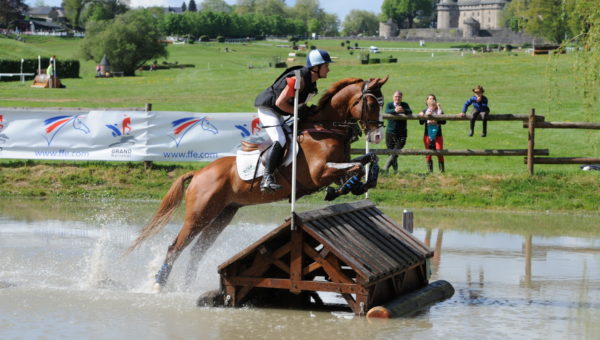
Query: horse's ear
[383,81]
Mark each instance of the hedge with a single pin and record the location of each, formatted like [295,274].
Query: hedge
[64,68]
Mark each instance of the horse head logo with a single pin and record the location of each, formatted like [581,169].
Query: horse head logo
[184,125]
[56,124]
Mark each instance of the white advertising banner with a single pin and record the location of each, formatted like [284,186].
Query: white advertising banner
[124,135]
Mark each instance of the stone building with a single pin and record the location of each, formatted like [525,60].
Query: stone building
[454,14]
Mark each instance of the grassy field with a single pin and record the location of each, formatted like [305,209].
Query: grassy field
[224,81]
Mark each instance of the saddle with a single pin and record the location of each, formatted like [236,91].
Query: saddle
[251,157]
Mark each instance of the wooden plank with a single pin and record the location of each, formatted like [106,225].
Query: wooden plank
[416,252]
[296,257]
[393,245]
[345,240]
[565,160]
[370,233]
[316,286]
[407,238]
[334,210]
[333,270]
[365,249]
[565,125]
[491,117]
[324,239]
[466,152]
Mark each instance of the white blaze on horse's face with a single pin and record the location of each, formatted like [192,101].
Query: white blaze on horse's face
[375,135]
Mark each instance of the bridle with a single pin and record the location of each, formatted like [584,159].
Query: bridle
[364,122]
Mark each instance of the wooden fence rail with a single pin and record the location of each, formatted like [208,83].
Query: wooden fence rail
[466,152]
[491,117]
[565,160]
[565,125]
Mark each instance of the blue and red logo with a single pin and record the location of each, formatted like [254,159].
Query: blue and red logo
[56,124]
[122,131]
[256,127]
[182,126]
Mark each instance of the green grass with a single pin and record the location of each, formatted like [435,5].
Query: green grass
[223,81]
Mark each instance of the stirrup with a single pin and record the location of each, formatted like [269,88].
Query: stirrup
[268,184]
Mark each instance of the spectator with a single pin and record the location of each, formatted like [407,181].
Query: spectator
[480,108]
[396,134]
[432,138]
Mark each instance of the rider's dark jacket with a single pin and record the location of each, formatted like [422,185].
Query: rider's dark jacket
[269,96]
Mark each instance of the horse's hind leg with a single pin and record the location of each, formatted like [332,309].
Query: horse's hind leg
[206,239]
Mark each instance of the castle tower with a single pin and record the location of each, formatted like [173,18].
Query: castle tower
[448,14]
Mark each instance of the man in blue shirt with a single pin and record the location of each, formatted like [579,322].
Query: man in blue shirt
[480,108]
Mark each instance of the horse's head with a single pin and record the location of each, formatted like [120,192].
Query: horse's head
[358,101]
[79,125]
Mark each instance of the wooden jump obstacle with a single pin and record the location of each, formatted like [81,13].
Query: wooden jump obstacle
[44,81]
[351,249]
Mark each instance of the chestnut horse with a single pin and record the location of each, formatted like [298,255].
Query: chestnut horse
[216,192]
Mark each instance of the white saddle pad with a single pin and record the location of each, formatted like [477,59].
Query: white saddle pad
[246,163]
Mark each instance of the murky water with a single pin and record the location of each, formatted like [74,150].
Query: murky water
[63,276]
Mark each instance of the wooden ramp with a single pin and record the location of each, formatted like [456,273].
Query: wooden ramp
[352,249]
[44,81]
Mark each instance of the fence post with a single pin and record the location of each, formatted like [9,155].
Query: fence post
[531,141]
[148,164]
[408,221]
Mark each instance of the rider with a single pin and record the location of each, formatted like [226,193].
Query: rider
[278,101]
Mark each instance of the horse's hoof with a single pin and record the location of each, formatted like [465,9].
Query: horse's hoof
[331,194]
[157,288]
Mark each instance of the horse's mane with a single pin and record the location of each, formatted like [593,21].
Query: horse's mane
[335,88]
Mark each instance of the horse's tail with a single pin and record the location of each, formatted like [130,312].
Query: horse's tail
[164,213]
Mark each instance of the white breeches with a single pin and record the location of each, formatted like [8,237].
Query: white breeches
[271,122]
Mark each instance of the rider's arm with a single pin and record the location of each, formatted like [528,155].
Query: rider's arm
[283,101]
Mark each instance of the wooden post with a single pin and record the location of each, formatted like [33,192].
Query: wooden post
[296,259]
[407,221]
[531,141]
[148,164]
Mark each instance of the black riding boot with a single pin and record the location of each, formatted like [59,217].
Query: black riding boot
[430,165]
[472,125]
[273,160]
[441,165]
[484,124]
[391,163]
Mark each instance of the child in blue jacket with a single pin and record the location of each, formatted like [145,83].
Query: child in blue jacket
[480,108]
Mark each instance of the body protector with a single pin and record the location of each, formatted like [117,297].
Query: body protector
[269,95]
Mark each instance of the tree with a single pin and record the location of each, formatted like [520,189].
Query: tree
[73,9]
[244,6]
[542,18]
[192,6]
[129,41]
[183,7]
[102,10]
[11,10]
[361,22]
[405,11]
[215,6]
[306,10]
[271,7]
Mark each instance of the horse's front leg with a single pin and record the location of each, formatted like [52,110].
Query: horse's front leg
[353,184]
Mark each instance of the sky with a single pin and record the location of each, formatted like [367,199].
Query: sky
[339,7]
